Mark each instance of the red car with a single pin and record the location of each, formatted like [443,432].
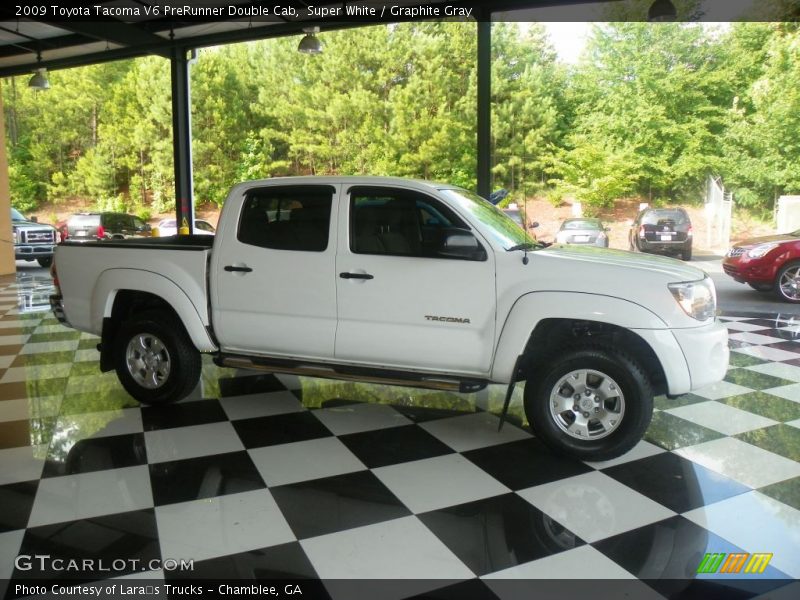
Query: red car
[768,263]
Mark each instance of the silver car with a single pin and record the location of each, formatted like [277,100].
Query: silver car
[583,231]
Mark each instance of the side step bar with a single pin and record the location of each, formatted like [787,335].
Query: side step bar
[365,375]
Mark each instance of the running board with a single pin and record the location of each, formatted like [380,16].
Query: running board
[360,374]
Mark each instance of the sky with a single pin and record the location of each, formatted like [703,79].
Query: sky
[568,39]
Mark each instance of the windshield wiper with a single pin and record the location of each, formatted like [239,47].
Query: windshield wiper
[524,246]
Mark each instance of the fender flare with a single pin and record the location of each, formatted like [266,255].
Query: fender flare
[113,281]
[530,309]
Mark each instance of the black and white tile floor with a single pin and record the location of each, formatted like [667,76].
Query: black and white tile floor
[258,477]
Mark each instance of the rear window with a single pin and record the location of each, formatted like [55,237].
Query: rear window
[654,217]
[584,224]
[84,220]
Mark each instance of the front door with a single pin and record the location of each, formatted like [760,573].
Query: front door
[402,302]
[273,277]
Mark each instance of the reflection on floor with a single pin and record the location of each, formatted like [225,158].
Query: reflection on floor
[257,477]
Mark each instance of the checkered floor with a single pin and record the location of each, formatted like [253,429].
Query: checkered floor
[258,477]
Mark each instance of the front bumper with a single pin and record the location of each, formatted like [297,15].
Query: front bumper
[706,352]
[746,270]
[32,251]
[691,358]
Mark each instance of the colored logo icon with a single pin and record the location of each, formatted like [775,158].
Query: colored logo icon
[737,562]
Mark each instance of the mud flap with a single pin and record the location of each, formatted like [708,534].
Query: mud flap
[515,377]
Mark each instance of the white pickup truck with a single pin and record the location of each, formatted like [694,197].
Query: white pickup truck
[403,282]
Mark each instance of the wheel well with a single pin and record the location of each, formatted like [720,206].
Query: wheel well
[126,304]
[552,334]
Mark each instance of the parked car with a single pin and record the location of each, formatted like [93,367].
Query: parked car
[32,240]
[414,283]
[168,227]
[662,231]
[84,227]
[769,263]
[517,215]
[583,231]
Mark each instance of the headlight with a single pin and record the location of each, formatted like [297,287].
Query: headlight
[16,235]
[760,250]
[698,299]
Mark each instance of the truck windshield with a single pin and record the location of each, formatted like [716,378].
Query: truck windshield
[16,216]
[495,222]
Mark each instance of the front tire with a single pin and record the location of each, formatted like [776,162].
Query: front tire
[45,261]
[589,402]
[154,358]
[787,283]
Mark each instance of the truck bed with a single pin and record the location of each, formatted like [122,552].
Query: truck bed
[91,273]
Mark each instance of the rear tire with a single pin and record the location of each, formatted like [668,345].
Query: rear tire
[612,395]
[45,261]
[687,254]
[154,358]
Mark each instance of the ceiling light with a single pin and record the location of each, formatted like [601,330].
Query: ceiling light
[39,79]
[310,44]
[662,11]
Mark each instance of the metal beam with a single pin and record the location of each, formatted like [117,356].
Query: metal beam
[182,137]
[116,32]
[484,110]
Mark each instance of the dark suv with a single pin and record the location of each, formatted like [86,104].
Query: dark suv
[662,231]
[105,226]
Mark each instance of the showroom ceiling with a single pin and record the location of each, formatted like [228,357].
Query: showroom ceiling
[64,35]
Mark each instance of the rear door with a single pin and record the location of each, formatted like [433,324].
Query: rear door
[273,286]
[401,302]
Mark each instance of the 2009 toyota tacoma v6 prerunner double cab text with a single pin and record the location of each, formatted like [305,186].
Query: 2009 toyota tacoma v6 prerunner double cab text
[404,282]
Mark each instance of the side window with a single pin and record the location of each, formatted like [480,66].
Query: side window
[291,218]
[138,224]
[401,223]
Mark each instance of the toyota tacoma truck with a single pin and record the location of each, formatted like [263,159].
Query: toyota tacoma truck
[401,282]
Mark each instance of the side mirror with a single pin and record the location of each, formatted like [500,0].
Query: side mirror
[34,219]
[462,245]
[534,224]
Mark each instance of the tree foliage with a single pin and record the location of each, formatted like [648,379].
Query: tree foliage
[650,111]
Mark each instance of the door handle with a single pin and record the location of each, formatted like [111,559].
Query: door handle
[346,275]
[234,269]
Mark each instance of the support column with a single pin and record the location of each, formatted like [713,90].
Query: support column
[484,104]
[182,138]
[8,265]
